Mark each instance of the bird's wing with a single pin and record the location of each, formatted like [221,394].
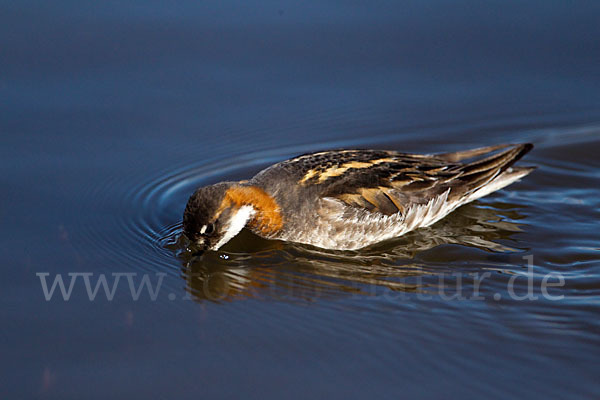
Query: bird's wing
[390,182]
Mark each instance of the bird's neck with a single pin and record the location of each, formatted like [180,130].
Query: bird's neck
[267,216]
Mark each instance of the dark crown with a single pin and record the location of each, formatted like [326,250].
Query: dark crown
[202,206]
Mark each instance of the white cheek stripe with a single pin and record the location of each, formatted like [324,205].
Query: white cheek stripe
[203,229]
[236,223]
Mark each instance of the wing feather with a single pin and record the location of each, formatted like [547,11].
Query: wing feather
[390,182]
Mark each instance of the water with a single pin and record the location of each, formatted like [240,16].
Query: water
[112,114]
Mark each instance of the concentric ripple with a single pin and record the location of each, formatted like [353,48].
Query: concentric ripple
[140,214]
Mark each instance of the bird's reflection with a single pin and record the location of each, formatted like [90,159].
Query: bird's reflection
[251,267]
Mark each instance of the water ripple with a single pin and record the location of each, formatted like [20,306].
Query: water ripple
[140,214]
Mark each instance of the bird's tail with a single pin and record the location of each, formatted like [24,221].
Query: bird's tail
[484,176]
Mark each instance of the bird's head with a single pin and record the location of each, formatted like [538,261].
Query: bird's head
[211,218]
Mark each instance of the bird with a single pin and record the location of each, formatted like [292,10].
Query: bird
[349,199]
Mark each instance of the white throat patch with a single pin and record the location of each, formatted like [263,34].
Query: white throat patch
[236,223]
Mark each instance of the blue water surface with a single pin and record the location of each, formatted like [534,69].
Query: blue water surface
[112,113]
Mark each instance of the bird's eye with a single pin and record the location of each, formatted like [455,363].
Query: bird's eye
[210,228]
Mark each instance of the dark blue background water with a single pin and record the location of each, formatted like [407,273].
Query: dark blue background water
[112,112]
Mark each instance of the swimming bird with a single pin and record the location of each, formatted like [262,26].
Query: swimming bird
[349,199]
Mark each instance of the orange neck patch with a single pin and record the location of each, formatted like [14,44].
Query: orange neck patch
[268,214]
